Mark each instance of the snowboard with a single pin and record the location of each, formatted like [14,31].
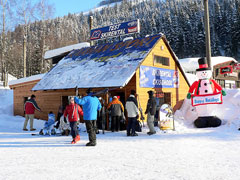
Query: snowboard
[166,117]
[103,119]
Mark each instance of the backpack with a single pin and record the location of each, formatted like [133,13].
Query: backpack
[41,132]
[138,127]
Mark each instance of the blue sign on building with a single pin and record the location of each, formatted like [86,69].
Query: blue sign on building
[152,77]
[115,30]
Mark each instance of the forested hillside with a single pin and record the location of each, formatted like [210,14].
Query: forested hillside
[180,20]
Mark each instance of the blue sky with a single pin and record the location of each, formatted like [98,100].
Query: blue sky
[63,7]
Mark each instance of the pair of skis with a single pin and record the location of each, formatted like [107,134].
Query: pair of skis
[37,134]
[141,112]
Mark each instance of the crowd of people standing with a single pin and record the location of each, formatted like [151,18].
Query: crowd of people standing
[89,107]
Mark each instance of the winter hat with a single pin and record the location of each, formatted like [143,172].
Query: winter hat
[133,92]
[33,96]
[203,65]
[115,97]
[89,90]
[150,93]
[71,98]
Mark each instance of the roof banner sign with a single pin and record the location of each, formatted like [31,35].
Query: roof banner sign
[115,30]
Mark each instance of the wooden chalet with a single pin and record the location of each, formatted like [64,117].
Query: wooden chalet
[112,69]
[227,74]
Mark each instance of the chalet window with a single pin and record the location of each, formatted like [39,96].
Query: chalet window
[161,60]
[163,98]
[167,98]
[25,99]
[222,83]
[237,84]
[216,72]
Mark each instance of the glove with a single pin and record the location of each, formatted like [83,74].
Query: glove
[65,120]
[189,95]
[224,93]
[137,116]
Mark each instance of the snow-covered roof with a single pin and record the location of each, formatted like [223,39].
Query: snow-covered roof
[108,65]
[57,52]
[191,64]
[26,79]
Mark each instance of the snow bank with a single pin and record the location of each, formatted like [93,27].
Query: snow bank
[6,96]
[10,78]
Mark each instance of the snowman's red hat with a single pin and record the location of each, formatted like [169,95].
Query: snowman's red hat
[203,65]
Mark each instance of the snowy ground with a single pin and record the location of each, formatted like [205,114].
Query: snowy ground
[185,154]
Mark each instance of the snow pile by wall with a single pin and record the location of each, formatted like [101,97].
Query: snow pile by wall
[6,106]
[228,112]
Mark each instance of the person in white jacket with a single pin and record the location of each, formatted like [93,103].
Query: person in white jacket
[133,114]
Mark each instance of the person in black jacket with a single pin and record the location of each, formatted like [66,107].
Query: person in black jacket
[150,111]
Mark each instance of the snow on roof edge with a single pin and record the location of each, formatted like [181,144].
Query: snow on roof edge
[26,79]
[56,52]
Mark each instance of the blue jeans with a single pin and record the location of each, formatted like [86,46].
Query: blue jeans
[131,125]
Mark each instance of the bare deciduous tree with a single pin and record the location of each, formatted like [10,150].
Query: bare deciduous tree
[4,8]
[25,12]
[44,12]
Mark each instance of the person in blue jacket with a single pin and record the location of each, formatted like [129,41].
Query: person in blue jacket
[90,105]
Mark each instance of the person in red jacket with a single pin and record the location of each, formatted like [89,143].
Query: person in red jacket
[29,108]
[73,111]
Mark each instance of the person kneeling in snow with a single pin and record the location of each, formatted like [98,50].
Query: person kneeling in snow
[73,111]
[48,126]
[64,126]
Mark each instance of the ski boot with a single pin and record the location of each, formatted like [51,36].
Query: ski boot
[73,141]
[77,138]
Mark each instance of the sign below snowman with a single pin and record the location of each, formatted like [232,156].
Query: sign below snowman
[207,99]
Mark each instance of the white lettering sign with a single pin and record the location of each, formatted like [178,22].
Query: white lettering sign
[207,99]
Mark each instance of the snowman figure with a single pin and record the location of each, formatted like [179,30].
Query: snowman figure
[205,86]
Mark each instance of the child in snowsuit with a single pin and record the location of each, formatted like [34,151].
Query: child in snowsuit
[48,126]
[64,126]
